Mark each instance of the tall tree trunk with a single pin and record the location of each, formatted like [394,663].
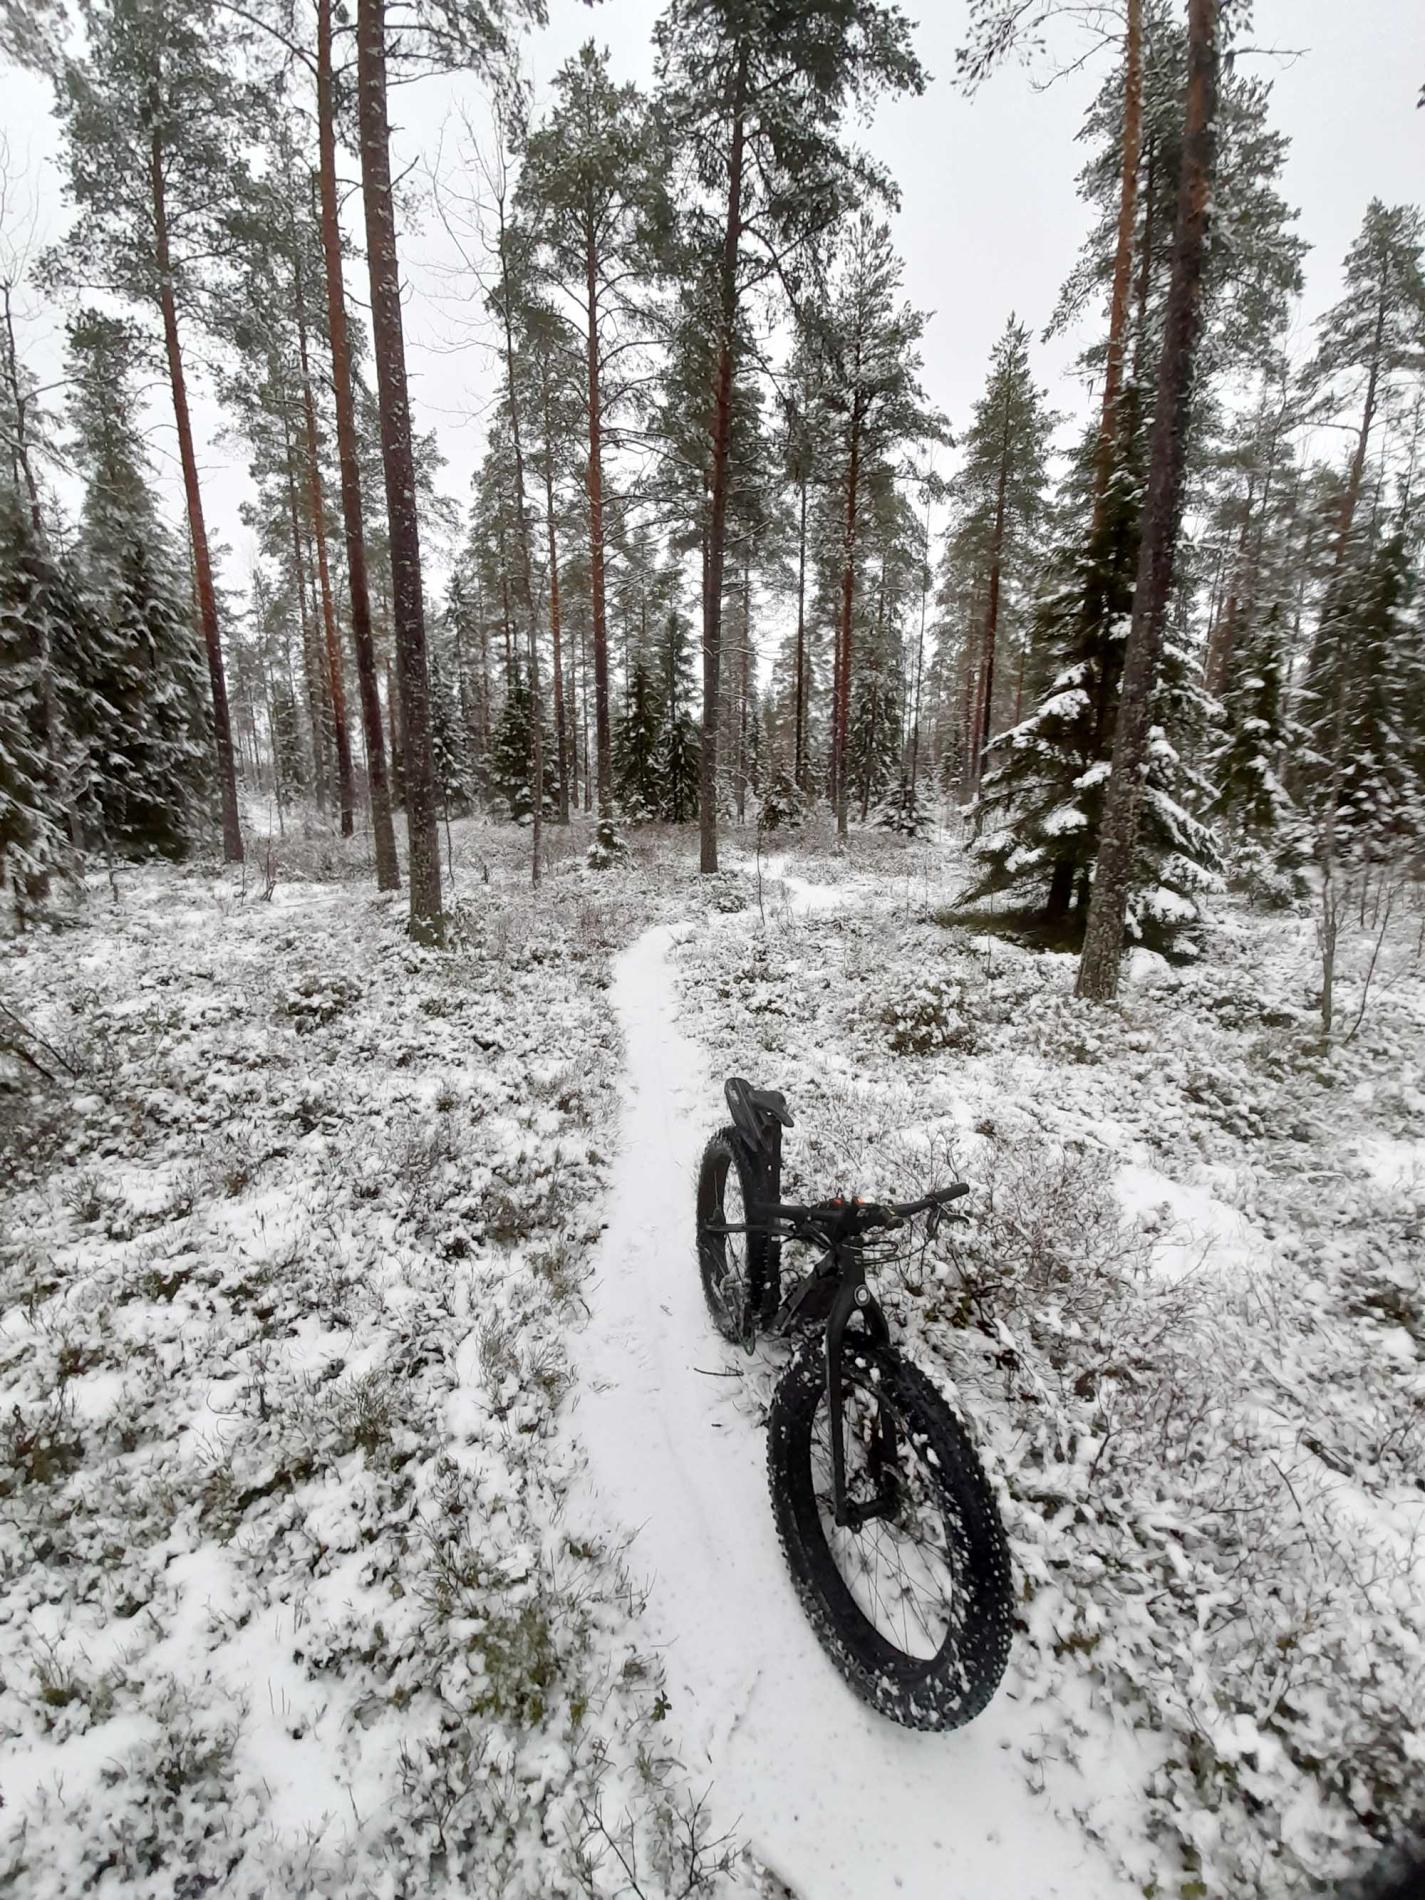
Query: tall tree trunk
[311,671]
[398,753]
[526,563]
[744,668]
[1145,262]
[841,715]
[1354,480]
[1162,515]
[399,466]
[1223,636]
[316,504]
[388,873]
[19,405]
[1122,258]
[914,760]
[197,530]
[982,742]
[719,474]
[556,656]
[799,760]
[603,735]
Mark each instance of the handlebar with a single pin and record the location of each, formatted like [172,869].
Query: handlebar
[864,1214]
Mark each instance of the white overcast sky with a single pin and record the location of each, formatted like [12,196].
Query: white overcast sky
[989,221]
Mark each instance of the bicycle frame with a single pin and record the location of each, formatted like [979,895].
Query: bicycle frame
[758,1118]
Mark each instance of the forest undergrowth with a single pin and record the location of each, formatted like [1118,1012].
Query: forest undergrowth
[297,1232]
[295,1239]
[1185,1313]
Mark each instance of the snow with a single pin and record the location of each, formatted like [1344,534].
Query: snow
[829,1797]
[382,1513]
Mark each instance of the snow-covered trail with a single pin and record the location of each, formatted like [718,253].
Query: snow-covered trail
[839,1803]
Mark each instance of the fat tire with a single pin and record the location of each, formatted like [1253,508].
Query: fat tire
[950,1689]
[726,1150]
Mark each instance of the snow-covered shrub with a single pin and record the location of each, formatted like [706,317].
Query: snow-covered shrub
[285,1325]
[927,1017]
[1182,1316]
[783,808]
[608,847]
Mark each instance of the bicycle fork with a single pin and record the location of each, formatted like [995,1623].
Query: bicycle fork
[853,1296]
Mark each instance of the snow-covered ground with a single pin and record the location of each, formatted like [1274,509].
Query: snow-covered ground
[379,1513]
[831,1798]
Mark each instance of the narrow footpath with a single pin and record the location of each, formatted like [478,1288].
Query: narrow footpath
[837,1802]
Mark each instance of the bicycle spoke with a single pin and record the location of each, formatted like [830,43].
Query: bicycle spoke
[897,1567]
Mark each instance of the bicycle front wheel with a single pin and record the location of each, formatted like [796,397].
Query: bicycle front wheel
[913,1605]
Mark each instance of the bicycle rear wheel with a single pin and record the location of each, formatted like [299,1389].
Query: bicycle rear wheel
[914,1605]
[730,1264]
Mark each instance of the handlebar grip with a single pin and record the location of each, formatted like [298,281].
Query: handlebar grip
[937,1197]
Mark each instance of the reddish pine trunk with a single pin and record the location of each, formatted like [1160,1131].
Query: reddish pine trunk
[1358,460]
[841,717]
[526,570]
[799,721]
[596,537]
[556,657]
[744,665]
[719,476]
[1122,257]
[986,728]
[388,875]
[311,671]
[1162,517]
[197,530]
[335,681]
[399,466]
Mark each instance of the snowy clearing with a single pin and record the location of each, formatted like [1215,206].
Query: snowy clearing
[382,1513]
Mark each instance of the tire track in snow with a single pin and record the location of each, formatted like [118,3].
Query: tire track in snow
[839,1803]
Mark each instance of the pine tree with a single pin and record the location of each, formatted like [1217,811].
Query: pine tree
[869,342]
[757,95]
[587,188]
[156,124]
[1373,338]
[999,497]
[1137,739]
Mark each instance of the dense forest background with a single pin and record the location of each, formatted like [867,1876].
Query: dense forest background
[722,557]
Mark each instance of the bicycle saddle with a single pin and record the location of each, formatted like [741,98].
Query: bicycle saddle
[752,1107]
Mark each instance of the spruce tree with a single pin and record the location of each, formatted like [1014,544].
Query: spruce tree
[156,124]
[638,740]
[1257,732]
[512,755]
[34,843]
[154,758]
[1362,721]
[134,688]
[450,750]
